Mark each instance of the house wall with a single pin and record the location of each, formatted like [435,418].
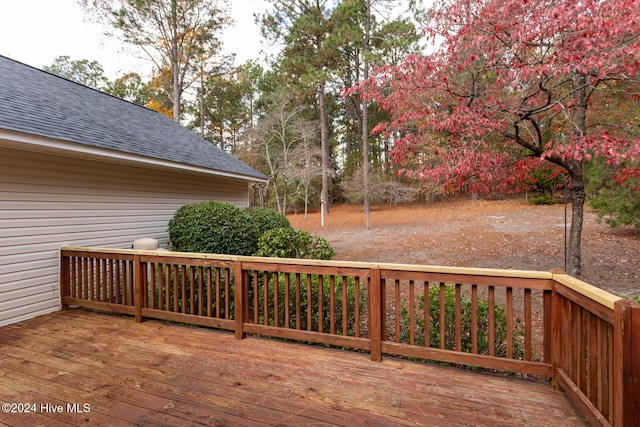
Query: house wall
[49,200]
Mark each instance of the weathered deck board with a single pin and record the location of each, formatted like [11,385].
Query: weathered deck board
[156,373]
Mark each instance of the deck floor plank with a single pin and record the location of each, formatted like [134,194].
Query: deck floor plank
[156,373]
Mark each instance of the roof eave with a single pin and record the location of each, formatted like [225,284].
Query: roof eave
[31,142]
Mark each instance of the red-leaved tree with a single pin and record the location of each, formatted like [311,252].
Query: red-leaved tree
[510,87]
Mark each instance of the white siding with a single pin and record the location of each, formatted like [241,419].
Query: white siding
[48,200]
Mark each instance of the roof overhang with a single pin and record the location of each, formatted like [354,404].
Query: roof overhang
[30,142]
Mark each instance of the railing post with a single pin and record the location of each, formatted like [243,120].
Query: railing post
[65,279]
[376,307]
[139,289]
[556,336]
[239,285]
[626,363]
[547,335]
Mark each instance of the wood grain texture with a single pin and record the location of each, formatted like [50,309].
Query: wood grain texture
[155,373]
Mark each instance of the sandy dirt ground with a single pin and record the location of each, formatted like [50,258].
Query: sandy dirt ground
[509,234]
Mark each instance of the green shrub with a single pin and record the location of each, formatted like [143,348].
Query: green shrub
[265,219]
[212,227]
[616,200]
[620,205]
[343,310]
[188,287]
[500,324]
[541,200]
[293,243]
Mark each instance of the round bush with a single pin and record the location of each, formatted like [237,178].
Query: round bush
[265,219]
[212,227]
[541,200]
[293,243]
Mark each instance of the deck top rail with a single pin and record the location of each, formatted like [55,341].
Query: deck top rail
[526,322]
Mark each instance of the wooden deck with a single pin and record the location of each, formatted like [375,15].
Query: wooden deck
[156,373]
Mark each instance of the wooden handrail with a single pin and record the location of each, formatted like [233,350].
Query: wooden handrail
[587,334]
[488,272]
[596,294]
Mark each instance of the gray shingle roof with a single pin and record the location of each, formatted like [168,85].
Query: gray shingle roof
[36,102]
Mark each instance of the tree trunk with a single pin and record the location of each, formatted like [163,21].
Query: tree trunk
[176,93]
[202,92]
[175,64]
[365,117]
[326,150]
[306,201]
[578,196]
[277,195]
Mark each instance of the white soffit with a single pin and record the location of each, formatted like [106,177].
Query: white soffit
[28,142]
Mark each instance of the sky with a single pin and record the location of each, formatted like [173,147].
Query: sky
[36,32]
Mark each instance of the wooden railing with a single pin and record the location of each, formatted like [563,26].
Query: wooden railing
[596,337]
[530,323]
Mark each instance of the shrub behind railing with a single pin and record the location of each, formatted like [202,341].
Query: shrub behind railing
[311,302]
[451,310]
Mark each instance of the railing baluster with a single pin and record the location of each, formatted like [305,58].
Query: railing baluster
[583,352]
[287,300]
[152,283]
[427,315]
[528,346]
[85,278]
[256,298]
[95,277]
[510,323]
[344,306]
[103,281]
[227,293]
[474,319]
[167,287]
[458,319]
[119,283]
[209,289]
[91,279]
[547,334]
[442,315]
[111,281]
[575,343]
[397,309]
[276,302]
[183,288]
[611,390]
[174,269]
[309,304]
[492,320]
[592,345]
[191,283]
[332,305]
[357,307]
[320,307]
[201,282]
[218,292]
[240,297]
[73,274]
[139,294]
[298,302]
[599,367]
[265,301]
[412,317]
